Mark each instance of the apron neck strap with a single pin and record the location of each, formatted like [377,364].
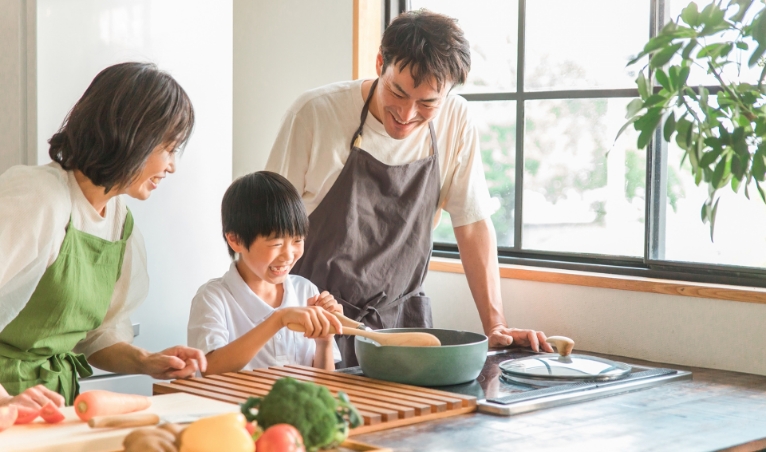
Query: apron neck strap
[363,117]
[356,140]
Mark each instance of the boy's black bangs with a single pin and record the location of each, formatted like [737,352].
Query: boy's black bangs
[262,204]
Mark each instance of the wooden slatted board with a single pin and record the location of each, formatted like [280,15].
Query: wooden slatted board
[382,404]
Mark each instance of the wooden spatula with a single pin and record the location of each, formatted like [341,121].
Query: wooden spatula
[397,339]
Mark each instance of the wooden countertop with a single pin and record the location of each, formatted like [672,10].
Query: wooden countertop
[717,410]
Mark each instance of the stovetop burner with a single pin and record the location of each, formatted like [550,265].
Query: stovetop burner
[499,395]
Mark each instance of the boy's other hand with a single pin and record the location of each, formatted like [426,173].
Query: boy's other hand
[316,321]
[327,301]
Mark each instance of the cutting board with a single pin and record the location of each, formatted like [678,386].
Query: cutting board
[74,435]
[382,404]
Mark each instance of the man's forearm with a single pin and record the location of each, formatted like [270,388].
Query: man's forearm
[478,253]
[121,358]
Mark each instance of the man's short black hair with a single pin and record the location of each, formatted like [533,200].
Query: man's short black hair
[127,111]
[262,204]
[430,44]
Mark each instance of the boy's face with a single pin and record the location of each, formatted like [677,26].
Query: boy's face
[269,259]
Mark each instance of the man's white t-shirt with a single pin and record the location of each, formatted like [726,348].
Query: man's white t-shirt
[225,309]
[314,143]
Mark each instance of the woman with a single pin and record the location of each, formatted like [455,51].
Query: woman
[73,265]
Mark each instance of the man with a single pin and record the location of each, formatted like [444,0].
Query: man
[375,161]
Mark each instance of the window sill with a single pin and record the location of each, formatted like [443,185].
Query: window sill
[619,282]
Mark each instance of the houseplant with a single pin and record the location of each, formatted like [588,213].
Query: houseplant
[723,135]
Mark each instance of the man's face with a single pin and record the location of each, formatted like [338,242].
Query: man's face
[401,107]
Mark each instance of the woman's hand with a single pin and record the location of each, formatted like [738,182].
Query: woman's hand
[174,362]
[35,397]
[327,301]
[316,321]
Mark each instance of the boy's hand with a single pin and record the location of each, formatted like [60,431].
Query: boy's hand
[327,301]
[316,321]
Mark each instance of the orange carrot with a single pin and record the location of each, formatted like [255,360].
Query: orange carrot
[104,403]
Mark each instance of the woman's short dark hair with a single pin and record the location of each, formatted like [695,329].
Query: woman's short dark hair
[262,204]
[127,111]
[431,44]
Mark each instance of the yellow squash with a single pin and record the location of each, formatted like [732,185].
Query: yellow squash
[225,432]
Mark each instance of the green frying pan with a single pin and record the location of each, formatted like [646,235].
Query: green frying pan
[459,359]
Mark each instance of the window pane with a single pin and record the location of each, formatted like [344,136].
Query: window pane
[491,28]
[740,236]
[497,133]
[581,194]
[572,45]
[739,72]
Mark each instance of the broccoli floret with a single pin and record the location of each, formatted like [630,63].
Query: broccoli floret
[321,419]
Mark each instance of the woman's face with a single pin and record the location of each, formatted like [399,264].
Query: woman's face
[161,162]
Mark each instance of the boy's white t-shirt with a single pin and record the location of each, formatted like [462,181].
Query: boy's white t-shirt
[225,309]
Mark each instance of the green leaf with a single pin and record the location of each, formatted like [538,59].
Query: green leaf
[654,99]
[683,127]
[735,184]
[650,120]
[690,14]
[644,138]
[713,214]
[709,157]
[625,126]
[758,169]
[741,45]
[721,173]
[662,79]
[759,29]
[756,55]
[643,86]
[663,56]
[688,49]
[744,5]
[670,126]
[633,107]
[655,43]
[760,191]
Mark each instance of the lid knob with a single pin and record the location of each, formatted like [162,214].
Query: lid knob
[563,345]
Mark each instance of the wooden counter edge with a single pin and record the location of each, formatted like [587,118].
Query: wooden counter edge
[619,282]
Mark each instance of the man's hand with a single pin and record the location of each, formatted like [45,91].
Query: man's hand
[35,397]
[175,362]
[327,301]
[501,336]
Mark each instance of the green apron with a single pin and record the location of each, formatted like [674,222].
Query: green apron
[70,300]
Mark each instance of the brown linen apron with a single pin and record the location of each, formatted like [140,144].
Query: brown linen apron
[369,240]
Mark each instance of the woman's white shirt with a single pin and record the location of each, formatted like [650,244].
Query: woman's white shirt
[225,309]
[36,204]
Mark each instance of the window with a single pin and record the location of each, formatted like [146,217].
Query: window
[548,90]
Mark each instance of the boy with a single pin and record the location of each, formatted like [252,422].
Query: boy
[239,320]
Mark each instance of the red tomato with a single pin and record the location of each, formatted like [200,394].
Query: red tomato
[8,416]
[280,438]
[26,414]
[51,414]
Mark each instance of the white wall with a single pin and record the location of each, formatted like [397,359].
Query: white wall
[17,27]
[691,331]
[192,40]
[281,49]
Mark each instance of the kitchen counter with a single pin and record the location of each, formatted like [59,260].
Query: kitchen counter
[716,410]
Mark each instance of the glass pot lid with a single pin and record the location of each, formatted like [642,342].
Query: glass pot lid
[572,368]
